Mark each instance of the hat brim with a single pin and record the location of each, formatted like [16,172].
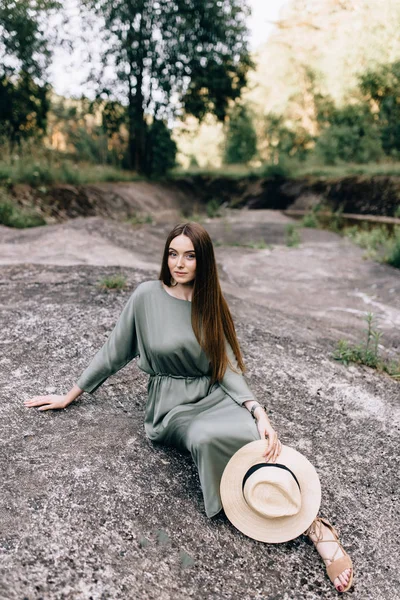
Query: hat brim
[254,525]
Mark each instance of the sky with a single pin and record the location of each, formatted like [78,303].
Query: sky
[263,12]
[67,73]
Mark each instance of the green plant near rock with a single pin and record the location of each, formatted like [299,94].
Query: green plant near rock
[114,282]
[367,353]
[292,235]
[213,208]
[310,220]
[13,216]
[140,219]
[392,257]
[379,243]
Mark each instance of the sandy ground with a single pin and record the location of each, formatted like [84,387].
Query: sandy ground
[91,509]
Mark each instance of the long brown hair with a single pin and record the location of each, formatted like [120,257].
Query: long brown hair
[211,317]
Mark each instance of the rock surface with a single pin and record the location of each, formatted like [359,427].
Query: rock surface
[91,509]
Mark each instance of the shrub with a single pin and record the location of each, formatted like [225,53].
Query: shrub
[367,353]
[278,171]
[114,282]
[241,137]
[393,256]
[349,143]
[138,219]
[292,235]
[213,208]
[310,220]
[12,216]
[161,150]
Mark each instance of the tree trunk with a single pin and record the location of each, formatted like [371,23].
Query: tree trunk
[137,124]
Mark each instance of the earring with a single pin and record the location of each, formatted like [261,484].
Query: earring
[173,282]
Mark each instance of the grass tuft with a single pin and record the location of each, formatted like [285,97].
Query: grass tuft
[367,353]
[114,282]
[12,215]
[140,219]
[213,208]
[292,235]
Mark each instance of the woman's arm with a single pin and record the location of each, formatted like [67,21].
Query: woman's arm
[234,382]
[265,429]
[121,346]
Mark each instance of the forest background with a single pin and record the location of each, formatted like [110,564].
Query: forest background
[178,90]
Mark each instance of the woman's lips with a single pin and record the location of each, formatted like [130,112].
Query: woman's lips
[180,273]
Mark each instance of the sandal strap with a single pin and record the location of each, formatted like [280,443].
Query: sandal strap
[338,566]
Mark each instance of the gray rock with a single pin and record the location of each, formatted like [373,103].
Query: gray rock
[91,509]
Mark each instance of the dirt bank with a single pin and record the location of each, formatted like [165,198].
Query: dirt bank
[168,200]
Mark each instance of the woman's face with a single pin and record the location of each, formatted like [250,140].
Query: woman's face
[182,259]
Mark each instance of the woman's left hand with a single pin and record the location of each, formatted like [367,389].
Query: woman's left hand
[266,430]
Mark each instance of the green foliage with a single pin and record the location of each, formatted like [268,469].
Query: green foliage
[140,219]
[381,88]
[161,150]
[241,137]
[13,216]
[114,282]
[281,170]
[292,235]
[23,107]
[310,220]
[90,146]
[284,141]
[36,165]
[380,244]
[392,257]
[213,208]
[367,353]
[350,135]
[370,239]
[193,54]
[24,58]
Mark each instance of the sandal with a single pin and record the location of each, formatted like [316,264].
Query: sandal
[336,567]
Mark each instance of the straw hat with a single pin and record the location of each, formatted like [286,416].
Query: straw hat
[270,502]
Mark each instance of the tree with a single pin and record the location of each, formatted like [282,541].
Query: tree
[161,149]
[241,137]
[349,134]
[24,58]
[171,57]
[281,141]
[381,88]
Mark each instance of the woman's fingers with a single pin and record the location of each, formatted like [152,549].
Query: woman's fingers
[277,450]
[36,401]
[51,401]
[272,438]
[273,449]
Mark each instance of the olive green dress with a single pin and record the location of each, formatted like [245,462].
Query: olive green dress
[182,409]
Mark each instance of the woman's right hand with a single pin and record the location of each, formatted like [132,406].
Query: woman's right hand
[52,401]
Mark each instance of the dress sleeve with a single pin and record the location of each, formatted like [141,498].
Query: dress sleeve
[235,384]
[120,348]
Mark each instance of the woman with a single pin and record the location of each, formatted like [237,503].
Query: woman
[180,327]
